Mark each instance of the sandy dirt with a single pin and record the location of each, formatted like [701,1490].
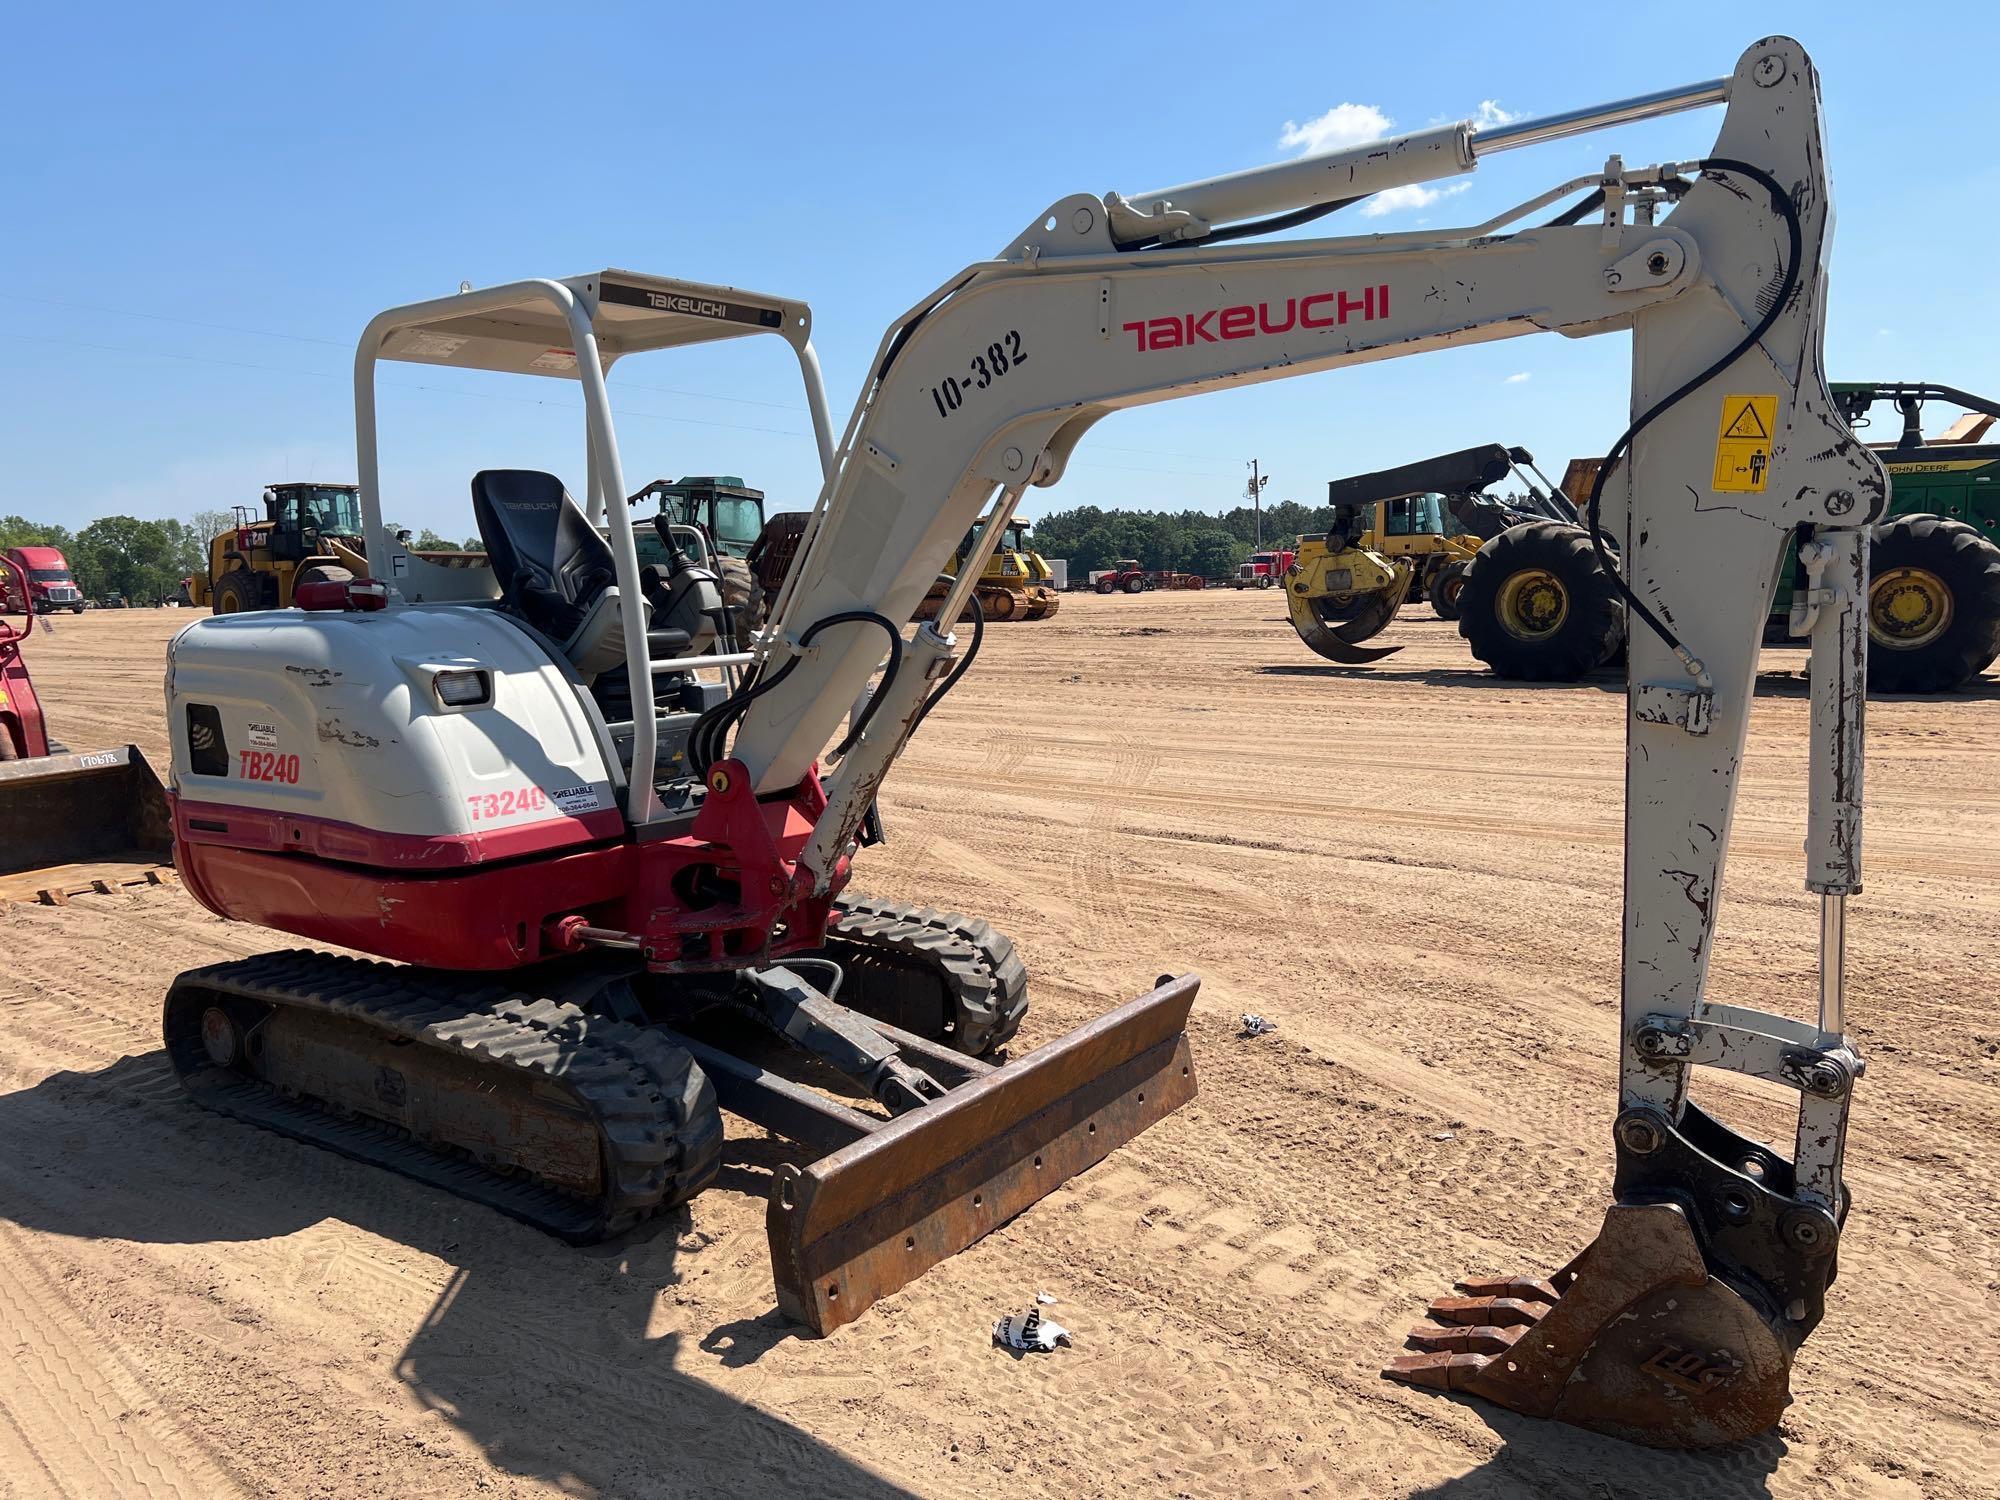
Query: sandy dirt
[1411,869]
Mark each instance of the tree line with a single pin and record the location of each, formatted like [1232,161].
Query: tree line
[146,560]
[1188,541]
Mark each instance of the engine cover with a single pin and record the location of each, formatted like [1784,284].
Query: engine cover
[418,737]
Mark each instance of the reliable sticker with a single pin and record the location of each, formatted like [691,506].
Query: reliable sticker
[1743,444]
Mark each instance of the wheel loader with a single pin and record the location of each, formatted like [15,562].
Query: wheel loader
[308,533]
[69,823]
[609,898]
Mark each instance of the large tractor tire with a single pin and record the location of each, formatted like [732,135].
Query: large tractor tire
[1535,606]
[1933,605]
[1136,584]
[1108,584]
[237,594]
[742,596]
[1446,584]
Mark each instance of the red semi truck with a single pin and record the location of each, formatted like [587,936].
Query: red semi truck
[50,587]
[1262,570]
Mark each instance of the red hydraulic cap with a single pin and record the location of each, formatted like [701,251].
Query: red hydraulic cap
[343,594]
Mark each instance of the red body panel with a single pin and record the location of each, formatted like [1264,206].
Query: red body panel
[727,895]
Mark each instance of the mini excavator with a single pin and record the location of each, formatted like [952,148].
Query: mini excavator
[589,866]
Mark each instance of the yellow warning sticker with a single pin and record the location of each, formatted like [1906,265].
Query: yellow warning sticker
[1743,443]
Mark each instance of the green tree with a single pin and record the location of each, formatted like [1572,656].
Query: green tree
[143,560]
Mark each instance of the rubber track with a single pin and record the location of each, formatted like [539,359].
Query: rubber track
[654,1109]
[973,960]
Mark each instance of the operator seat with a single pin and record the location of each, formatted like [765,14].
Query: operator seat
[553,569]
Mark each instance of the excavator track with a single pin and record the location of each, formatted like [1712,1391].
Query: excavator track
[578,1125]
[941,974]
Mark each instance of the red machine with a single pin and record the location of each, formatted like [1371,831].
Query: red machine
[43,581]
[1262,570]
[23,736]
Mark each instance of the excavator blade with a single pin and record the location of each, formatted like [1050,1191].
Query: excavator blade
[77,823]
[857,1224]
[1634,1338]
[1336,629]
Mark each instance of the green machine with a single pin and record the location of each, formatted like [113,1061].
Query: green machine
[1934,567]
[728,516]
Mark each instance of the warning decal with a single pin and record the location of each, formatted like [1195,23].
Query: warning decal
[1743,443]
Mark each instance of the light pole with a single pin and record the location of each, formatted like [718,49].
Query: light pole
[1255,491]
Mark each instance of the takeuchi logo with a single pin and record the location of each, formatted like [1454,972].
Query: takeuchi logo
[1249,319]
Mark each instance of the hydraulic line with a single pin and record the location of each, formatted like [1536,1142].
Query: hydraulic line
[708,741]
[1782,202]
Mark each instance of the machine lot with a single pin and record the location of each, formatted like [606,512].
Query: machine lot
[1412,869]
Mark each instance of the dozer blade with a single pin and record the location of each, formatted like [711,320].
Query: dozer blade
[1634,1339]
[857,1224]
[1336,632]
[81,822]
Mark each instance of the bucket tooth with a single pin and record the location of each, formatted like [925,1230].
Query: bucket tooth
[1634,1339]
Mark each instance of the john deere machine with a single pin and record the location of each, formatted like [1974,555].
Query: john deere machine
[724,517]
[588,869]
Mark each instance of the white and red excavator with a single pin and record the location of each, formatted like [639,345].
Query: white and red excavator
[608,871]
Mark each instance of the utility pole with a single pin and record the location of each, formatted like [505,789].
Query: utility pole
[1256,493]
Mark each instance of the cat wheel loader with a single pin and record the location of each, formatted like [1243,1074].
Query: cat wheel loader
[590,874]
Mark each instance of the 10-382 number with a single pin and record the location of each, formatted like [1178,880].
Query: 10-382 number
[1000,356]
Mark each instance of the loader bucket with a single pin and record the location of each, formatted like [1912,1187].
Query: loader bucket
[80,822]
[1634,1339]
[857,1224]
[1334,625]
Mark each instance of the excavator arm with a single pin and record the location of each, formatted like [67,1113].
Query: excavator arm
[1678,1325]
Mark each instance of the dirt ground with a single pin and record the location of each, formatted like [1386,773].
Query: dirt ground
[1412,869]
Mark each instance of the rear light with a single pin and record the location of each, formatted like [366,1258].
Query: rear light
[463,689]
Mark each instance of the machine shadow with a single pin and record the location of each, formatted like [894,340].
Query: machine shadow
[1542,1458]
[539,1352]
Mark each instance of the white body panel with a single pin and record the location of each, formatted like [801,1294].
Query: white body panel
[376,749]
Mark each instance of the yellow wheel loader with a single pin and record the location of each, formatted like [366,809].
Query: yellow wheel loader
[308,533]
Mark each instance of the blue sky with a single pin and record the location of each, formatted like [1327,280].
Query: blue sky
[205,205]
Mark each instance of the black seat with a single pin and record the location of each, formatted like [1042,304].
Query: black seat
[548,559]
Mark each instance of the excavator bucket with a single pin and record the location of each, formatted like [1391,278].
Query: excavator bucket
[77,823]
[873,1215]
[1334,625]
[1634,1338]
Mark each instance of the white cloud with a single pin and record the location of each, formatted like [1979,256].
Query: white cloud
[1415,195]
[1343,125]
[1517,377]
[1490,114]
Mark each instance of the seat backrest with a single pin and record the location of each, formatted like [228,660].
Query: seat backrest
[548,559]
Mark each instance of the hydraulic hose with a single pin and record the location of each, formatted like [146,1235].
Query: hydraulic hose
[708,741]
[964,663]
[1782,202]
